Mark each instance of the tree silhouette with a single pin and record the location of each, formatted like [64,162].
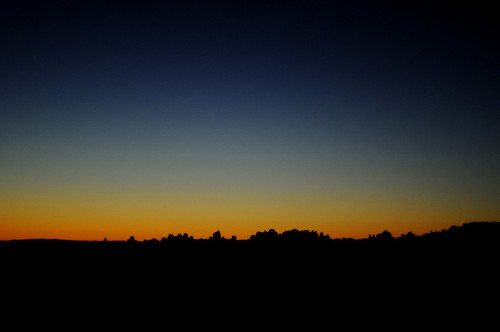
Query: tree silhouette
[216,235]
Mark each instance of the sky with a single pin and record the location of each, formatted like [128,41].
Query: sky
[144,119]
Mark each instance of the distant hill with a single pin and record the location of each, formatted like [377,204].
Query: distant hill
[476,230]
[471,234]
[449,270]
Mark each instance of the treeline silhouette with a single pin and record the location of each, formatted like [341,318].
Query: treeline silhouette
[470,235]
[301,272]
[473,244]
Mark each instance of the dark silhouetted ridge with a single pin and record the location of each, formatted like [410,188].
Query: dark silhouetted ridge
[416,277]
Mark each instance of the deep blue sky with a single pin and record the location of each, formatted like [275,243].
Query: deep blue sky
[391,108]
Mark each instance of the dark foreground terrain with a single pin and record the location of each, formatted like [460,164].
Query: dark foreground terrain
[449,277]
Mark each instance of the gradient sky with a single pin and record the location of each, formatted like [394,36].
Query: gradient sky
[154,118]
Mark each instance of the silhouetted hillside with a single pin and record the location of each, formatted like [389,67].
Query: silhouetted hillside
[485,233]
[301,273]
[470,243]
